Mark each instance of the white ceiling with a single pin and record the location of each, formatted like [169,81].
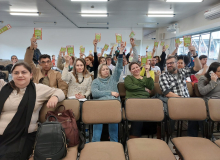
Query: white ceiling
[122,13]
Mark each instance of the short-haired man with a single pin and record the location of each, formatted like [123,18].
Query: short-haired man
[155,68]
[45,74]
[173,82]
[14,60]
[37,55]
[205,67]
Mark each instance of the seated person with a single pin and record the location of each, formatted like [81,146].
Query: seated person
[61,61]
[143,71]
[209,84]
[104,87]
[203,60]
[45,74]
[183,61]
[109,63]
[173,82]
[20,103]
[89,64]
[79,80]
[138,87]
[125,70]
[14,60]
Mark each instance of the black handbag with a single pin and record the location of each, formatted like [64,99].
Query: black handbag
[50,141]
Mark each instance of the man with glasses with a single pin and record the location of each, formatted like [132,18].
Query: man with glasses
[173,83]
[44,74]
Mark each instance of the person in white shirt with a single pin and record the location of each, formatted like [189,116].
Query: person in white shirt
[155,68]
[205,67]
[109,63]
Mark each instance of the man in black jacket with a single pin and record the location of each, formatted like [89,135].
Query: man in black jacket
[36,56]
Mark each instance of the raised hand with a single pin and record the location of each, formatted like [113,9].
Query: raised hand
[95,42]
[192,50]
[147,67]
[164,48]
[67,59]
[154,49]
[132,42]
[122,47]
[33,42]
[176,45]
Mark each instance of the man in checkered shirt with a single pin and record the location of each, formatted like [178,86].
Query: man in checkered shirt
[173,84]
[173,81]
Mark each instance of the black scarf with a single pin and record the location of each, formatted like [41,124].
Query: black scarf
[14,137]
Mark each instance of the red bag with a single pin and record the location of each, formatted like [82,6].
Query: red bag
[67,119]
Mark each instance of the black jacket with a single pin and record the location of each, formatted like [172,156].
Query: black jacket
[36,56]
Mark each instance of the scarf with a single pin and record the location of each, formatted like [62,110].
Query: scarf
[14,137]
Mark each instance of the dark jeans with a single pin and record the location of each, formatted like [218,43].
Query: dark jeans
[193,128]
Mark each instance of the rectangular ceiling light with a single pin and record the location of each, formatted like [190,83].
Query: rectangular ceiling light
[89,0]
[147,23]
[93,15]
[160,15]
[24,13]
[184,0]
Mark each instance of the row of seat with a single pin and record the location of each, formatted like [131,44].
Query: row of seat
[148,110]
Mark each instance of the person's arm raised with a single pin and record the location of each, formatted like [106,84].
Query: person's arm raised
[66,76]
[96,61]
[176,50]
[59,61]
[28,58]
[135,54]
[197,62]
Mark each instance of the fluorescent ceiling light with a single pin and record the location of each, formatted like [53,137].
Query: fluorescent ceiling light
[94,11]
[94,15]
[24,13]
[160,15]
[160,12]
[184,0]
[148,23]
[89,0]
[93,23]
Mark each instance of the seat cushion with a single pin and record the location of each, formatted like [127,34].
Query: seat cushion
[196,148]
[148,149]
[217,142]
[71,153]
[102,151]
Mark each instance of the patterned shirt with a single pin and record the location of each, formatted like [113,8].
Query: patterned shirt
[176,83]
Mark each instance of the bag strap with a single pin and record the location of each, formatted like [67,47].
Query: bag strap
[82,141]
[51,116]
[59,107]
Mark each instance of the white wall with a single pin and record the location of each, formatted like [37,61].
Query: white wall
[16,40]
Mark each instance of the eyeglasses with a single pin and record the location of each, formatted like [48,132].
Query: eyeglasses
[171,63]
[45,62]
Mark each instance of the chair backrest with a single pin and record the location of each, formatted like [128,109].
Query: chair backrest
[214,109]
[6,72]
[121,89]
[101,111]
[144,110]
[156,90]
[190,89]
[69,104]
[196,90]
[193,109]
[156,79]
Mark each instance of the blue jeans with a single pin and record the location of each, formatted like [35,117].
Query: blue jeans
[97,132]
[193,128]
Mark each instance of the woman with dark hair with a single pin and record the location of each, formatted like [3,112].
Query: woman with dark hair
[79,80]
[20,103]
[182,62]
[209,84]
[89,64]
[138,87]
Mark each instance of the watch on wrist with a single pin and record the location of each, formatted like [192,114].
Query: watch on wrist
[195,55]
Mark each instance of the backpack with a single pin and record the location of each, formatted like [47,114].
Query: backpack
[50,141]
[68,121]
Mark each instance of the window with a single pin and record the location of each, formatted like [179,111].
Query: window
[214,45]
[205,43]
